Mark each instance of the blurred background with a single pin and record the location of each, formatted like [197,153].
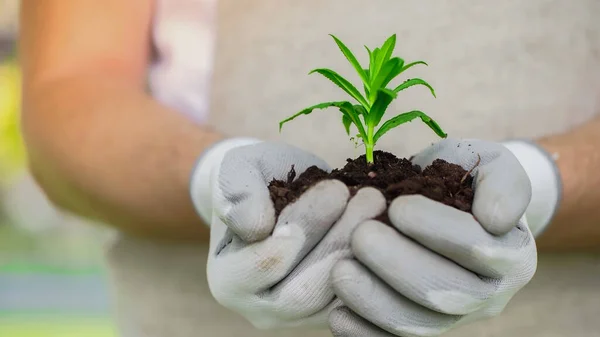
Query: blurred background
[52,281]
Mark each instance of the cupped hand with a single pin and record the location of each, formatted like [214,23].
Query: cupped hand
[436,267]
[273,270]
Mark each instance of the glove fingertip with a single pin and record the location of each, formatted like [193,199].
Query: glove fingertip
[345,323]
[499,217]
[252,231]
[250,216]
[340,321]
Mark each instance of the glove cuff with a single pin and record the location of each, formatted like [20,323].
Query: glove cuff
[201,180]
[546,184]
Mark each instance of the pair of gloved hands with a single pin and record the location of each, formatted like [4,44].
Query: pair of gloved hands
[326,262]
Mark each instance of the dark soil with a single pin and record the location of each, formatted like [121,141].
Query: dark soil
[441,181]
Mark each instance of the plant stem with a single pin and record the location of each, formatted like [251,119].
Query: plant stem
[369,153]
[369,144]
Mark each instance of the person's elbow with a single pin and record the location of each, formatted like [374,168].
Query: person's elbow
[47,153]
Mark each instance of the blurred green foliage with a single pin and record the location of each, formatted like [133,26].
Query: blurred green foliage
[12,149]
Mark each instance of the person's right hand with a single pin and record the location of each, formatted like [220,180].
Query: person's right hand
[275,271]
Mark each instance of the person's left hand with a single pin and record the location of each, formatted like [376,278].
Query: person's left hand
[439,267]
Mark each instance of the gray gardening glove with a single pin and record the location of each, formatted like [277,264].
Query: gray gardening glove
[274,273]
[437,267]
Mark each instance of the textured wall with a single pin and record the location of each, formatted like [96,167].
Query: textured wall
[500,68]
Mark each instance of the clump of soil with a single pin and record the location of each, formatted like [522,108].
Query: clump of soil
[441,181]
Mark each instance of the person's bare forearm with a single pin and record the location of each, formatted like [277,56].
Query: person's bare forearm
[119,157]
[576,225]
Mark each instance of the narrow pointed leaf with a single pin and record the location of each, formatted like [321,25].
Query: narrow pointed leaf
[351,58]
[382,101]
[353,113]
[347,123]
[344,84]
[411,82]
[308,110]
[387,49]
[407,117]
[367,83]
[360,110]
[347,109]
[413,64]
[373,66]
[394,73]
[389,67]
[371,63]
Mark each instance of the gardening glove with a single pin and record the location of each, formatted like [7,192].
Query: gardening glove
[272,270]
[437,267]
[546,182]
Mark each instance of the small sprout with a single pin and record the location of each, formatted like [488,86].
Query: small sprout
[376,97]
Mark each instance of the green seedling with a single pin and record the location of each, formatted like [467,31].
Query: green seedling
[369,107]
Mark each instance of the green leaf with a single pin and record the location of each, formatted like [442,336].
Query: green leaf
[383,100]
[308,110]
[413,64]
[369,70]
[407,117]
[367,84]
[352,59]
[373,66]
[411,82]
[344,84]
[395,72]
[388,68]
[387,49]
[347,123]
[360,110]
[353,113]
[344,106]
